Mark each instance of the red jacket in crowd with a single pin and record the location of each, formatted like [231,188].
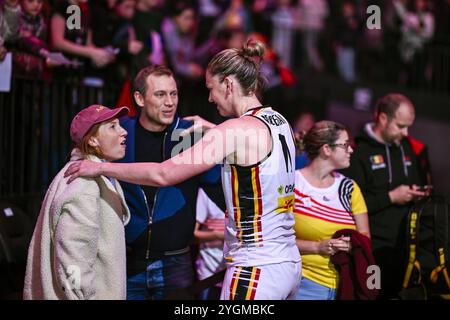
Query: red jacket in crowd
[353,267]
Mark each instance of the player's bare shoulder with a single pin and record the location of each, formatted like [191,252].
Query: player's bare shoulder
[252,139]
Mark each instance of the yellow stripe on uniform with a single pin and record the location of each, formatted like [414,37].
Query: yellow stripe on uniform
[237,205]
[251,285]
[236,274]
[258,210]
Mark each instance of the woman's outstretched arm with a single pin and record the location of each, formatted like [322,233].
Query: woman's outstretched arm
[206,153]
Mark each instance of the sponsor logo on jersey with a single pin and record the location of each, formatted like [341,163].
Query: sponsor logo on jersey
[285,189]
[286,204]
[377,162]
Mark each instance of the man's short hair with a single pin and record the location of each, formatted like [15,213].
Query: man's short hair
[389,104]
[140,81]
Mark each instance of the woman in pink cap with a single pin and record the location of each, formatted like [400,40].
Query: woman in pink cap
[78,246]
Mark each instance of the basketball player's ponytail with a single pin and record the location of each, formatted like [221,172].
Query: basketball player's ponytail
[243,63]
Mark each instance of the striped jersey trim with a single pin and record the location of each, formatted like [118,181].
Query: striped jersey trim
[345,193]
[256,185]
[244,283]
[236,204]
[247,203]
[324,218]
[257,111]
[318,203]
[308,206]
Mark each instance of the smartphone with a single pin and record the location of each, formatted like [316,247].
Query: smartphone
[425,188]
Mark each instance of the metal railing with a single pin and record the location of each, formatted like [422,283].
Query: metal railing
[440,78]
[34,130]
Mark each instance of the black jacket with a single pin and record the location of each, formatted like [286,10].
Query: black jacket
[379,168]
[172,210]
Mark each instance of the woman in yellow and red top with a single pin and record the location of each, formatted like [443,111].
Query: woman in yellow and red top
[325,202]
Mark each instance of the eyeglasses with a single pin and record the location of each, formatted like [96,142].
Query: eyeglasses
[344,146]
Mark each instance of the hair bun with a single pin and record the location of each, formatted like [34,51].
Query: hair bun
[254,49]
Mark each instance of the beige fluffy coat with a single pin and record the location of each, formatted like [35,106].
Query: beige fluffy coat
[78,246]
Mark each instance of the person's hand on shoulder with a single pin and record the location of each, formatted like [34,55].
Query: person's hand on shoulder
[83,168]
[200,125]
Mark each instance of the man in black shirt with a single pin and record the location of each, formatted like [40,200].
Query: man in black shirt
[386,168]
[162,221]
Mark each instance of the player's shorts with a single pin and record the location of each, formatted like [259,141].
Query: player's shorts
[268,282]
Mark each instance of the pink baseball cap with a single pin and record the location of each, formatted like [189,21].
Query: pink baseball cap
[91,115]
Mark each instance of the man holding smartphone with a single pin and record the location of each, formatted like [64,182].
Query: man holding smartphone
[386,168]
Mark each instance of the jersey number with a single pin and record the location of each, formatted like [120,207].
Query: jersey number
[286,153]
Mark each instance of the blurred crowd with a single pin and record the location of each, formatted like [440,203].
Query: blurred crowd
[110,40]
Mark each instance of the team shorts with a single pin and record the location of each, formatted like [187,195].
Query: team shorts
[268,282]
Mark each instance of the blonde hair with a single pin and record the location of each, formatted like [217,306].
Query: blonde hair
[243,63]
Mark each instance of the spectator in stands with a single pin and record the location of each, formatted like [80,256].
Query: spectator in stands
[417,30]
[275,73]
[32,53]
[348,29]
[311,22]
[76,42]
[301,126]
[78,247]
[236,16]
[385,166]
[230,38]
[112,29]
[304,121]
[209,11]
[124,36]
[261,15]
[179,38]
[9,24]
[392,63]
[283,27]
[187,60]
[103,26]
[325,202]
[147,22]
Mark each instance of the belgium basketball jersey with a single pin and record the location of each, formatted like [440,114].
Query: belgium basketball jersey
[260,201]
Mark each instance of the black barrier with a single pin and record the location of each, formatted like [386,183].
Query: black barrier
[34,129]
[440,75]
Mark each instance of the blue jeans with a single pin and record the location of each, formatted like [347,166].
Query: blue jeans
[166,278]
[310,290]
